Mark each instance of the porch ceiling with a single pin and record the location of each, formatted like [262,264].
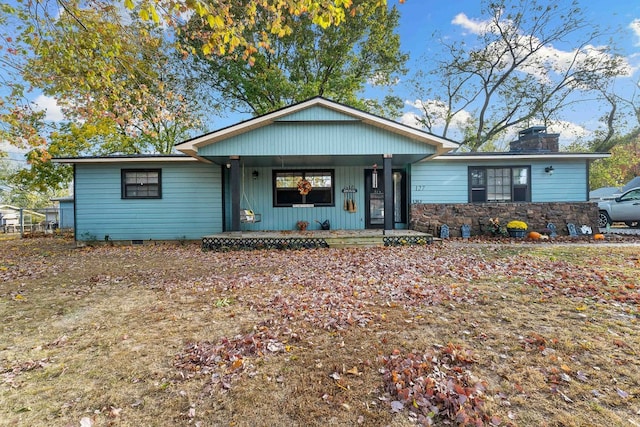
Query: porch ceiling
[398,160]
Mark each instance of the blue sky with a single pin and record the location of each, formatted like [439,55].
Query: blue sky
[456,20]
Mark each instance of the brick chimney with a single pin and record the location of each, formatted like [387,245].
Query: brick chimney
[535,139]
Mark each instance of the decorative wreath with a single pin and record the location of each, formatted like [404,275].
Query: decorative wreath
[304,187]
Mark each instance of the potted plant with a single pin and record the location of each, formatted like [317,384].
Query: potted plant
[517,228]
[495,228]
[302,225]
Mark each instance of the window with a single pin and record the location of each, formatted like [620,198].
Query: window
[286,193]
[508,184]
[141,184]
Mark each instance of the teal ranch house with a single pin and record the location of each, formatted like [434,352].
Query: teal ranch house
[319,161]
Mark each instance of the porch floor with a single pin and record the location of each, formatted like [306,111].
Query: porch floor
[313,239]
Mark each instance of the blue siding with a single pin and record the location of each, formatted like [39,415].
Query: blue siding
[336,138]
[65,216]
[316,113]
[190,206]
[569,182]
[444,181]
[438,182]
[258,195]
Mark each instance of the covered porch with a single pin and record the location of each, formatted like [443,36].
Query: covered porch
[316,161]
[249,240]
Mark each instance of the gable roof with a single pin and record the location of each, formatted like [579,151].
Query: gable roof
[339,112]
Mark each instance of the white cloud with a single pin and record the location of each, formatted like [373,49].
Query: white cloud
[50,105]
[411,119]
[438,112]
[569,132]
[557,60]
[472,25]
[635,27]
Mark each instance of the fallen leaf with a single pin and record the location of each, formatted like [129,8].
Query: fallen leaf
[237,364]
[582,376]
[623,394]
[396,406]
[354,371]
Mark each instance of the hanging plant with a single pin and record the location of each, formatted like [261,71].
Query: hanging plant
[304,187]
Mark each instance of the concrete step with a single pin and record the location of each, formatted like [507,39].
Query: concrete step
[358,241]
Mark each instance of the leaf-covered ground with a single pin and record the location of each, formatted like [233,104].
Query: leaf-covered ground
[455,333]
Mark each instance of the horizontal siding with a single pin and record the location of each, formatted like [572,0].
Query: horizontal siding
[190,207]
[447,181]
[568,183]
[66,215]
[289,139]
[439,182]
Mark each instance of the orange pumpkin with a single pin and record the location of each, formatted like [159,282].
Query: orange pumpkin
[534,235]
[598,236]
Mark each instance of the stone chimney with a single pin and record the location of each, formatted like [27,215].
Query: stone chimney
[535,139]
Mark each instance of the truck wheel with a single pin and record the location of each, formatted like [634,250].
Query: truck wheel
[603,219]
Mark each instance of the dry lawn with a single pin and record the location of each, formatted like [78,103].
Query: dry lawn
[453,333]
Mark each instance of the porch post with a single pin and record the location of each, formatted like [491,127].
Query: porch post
[388,191]
[234,162]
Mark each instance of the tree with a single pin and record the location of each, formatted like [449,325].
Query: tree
[336,61]
[514,75]
[116,76]
[118,81]
[620,168]
[99,68]
[231,23]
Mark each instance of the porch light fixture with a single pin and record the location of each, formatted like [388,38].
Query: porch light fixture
[374,177]
[255,174]
[549,170]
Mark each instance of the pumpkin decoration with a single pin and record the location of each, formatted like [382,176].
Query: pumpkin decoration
[534,235]
[598,236]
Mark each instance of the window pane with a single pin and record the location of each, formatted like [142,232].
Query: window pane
[286,191]
[478,177]
[141,184]
[520,176]
[499,185]
[288,179]
[318,180]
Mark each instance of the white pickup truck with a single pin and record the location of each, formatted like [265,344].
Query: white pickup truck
[624,208]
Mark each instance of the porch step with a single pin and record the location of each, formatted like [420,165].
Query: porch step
[370,241]
[353,242]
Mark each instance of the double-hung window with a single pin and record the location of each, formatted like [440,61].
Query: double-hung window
[141,183]
[287,184]
[499,184]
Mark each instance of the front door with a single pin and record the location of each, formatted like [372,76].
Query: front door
[374,198]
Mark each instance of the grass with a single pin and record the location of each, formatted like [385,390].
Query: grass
[168,335]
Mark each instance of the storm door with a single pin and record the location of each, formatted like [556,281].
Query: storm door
[374,198]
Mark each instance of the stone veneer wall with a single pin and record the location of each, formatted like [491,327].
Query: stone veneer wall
[429,217]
